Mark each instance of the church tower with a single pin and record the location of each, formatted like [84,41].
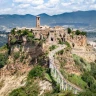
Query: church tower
[38,21]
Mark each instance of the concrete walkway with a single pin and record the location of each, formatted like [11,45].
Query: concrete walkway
[64,83]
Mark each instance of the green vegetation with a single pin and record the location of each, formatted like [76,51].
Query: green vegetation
[88,76]
[1,84]
[16,55]
[52,47]
[31,89]
[93,70]
[13,31]
[47,77]
[87,80]
[81,63]
[91,84]
[62,93]
[60,41]
[67,44]
[13,41]
[60,52]
[37,71]
[80,33]
[16,37]
[69,30]
[77,80]
[87,93]
[22,58]
[3,59]
[4,47]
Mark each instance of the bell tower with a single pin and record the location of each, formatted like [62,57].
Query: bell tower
[38,21]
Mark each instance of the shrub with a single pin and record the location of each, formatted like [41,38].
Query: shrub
[30,34]
[31,89]
[60,41]
[83,33]
[13,31]
[16,55]
[78,32]
[4,47]
[18,92]
[68,44]
[82,64]
[3,59]
[52,47]
[86,93]
[25,32]
[69,30]
[88,78]
[37,71]
[77,80]
[22,58]
[93,70]
[13,41]
[61,52]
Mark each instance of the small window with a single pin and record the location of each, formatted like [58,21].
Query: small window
[51,39]
[73,45]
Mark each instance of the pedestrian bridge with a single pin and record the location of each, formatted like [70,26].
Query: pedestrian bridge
[64,83]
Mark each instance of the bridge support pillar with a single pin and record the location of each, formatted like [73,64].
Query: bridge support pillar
[61,84]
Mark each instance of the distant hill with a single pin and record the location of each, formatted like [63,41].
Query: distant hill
[79,19]
[82,18]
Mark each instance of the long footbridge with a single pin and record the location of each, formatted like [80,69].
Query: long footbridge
[56,74]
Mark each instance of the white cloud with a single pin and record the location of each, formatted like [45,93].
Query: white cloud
[93,6]
[52,3]
[5,10]
[66,4]
[50,7]
[24,5]
[34,2]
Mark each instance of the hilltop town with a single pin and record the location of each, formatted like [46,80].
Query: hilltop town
[45,60]
[56,35]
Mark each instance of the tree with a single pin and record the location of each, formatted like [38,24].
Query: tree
[69,30]
[83,33]
[78,32]
[18,92]
[37,71]
[86,93]
[88,78]
[13,31]
[3,60]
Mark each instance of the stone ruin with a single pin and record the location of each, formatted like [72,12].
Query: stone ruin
[53,35]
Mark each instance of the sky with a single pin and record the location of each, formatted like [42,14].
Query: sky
[51,7]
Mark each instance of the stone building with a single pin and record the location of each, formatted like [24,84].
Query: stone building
[52,35]
[55,34]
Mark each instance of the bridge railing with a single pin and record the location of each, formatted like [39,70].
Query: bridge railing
[64,83]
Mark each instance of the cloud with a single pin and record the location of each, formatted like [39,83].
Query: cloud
[5,10]
[23,5]
[66,4]
[50,7]
[33,2]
